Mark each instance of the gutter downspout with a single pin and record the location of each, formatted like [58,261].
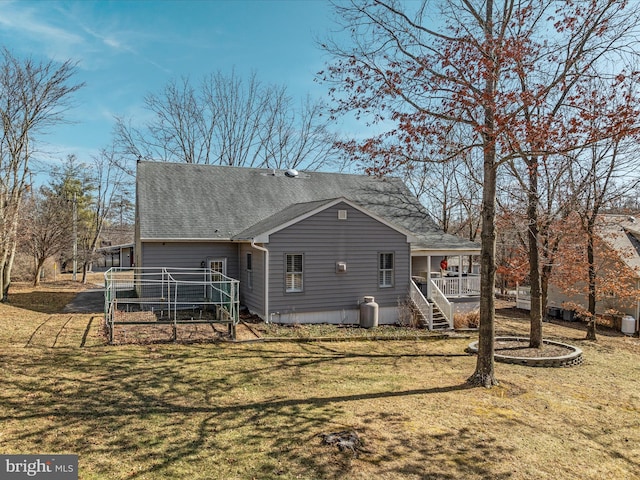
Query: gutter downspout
[267,319]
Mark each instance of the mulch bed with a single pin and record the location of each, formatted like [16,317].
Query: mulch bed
[520,348]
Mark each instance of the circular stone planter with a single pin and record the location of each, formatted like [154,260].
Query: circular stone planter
[506,351]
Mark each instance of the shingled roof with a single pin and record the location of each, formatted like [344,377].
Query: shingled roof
[211,202]
[622,234]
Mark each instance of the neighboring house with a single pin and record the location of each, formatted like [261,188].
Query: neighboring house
[306,247]
[113,256]
[621,235]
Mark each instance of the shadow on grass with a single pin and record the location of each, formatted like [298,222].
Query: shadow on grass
[41,301]
[65,330]
[232,411]
[242,413]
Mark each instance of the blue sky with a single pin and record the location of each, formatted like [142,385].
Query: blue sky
[127,49]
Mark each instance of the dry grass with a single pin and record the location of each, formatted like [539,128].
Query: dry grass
[466,320]
[243,411]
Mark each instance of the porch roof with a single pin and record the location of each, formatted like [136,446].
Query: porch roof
[443,244]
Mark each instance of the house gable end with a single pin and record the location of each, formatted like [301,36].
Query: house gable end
[261,232]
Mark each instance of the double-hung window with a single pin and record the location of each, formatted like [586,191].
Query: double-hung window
[385,270]
[294,272]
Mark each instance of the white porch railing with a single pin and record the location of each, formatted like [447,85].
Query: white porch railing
[523,297]
[457,286]
[444,305]
[421,303]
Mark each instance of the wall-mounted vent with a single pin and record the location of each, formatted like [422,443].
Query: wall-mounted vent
[341,267]
[342,214]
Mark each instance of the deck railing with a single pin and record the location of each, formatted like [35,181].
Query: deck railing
[458,286]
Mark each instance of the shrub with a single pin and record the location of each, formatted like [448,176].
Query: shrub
[466,320]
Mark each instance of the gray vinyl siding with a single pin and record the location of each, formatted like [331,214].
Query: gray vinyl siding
[189,254]
[324,240]
[252,298]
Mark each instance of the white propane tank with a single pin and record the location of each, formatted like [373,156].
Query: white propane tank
[628,325]
[369,313]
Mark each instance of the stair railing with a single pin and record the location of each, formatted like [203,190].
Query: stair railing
[421,303]
[443,304]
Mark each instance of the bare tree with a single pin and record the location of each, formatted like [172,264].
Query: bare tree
[425,68]
[228,121]
[45,228]
[450,189]
[299,138]
[600,175]
[33,98]
[108,182]
[428,82]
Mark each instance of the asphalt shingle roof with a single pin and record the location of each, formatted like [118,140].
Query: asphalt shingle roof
[622,233]
[190,201]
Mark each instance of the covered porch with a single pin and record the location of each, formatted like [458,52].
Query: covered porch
[445,282]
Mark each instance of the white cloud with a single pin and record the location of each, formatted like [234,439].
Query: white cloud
[25,22]
[73,32]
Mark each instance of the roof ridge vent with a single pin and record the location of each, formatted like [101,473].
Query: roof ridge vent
[291,173]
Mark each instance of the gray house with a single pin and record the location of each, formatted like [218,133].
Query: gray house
[306,247]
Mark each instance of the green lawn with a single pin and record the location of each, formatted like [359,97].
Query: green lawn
[257,410]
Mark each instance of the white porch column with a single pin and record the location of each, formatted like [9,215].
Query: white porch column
[460,257]
[428,277]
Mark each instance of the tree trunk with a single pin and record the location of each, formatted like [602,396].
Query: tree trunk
[544,286]
[6,271]
[85,267]
[484,374]
[38,271]
[535,335]
[591,326]
[3,299]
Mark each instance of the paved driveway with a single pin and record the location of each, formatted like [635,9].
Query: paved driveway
[87,301]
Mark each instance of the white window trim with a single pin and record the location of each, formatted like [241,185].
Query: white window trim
[382,278]
[287,274]
[221,260]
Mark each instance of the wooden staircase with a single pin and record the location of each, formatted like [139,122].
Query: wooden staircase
[439,322]
[420,318]
[422,309]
